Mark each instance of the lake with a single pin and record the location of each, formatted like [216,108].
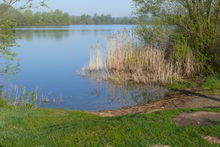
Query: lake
[50,59]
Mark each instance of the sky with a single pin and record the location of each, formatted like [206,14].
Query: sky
[116,8]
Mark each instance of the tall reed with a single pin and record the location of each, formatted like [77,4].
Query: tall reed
[126,60]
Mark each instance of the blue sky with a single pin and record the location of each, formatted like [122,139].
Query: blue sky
[116,8]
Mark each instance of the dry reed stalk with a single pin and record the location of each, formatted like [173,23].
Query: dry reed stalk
[125,61]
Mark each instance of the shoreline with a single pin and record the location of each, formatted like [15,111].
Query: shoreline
[21,26]
[191,98]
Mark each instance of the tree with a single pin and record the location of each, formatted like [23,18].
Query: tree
[188,24]
[28,17]
[37,18]
[7,32]
[7,29]
[66,18]
[86,19]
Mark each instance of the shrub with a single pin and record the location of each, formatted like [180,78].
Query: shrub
[195,22]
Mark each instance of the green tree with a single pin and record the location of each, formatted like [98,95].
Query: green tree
[37,18]
[190,23]
[7,32]
[86,19]
[66,18]
[7,29]
[28,17]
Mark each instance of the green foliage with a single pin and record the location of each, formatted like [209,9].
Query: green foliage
[212,83]
[25,127]
[194,22]
[7,38]
[58,17]
[3,102]
[7,30]
[180,85]
[183,51]
[34,98]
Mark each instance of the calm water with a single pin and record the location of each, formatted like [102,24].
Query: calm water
[50,58]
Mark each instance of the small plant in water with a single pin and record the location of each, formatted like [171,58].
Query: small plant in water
[19,96]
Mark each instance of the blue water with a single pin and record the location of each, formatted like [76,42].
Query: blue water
[50,58]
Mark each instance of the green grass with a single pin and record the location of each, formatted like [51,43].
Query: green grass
[3,102]
[210,85]
[180,85]
[37,127]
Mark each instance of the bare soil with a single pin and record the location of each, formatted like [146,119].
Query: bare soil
[212,140]
[197,118]
[181,99]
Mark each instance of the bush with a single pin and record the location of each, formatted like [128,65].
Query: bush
[183,54]
[184,25]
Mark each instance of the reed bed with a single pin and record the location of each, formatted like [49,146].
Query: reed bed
[125,59]
[20,96]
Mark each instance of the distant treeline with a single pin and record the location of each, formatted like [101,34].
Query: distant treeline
[58,17]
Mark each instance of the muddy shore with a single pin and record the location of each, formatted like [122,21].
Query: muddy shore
[178,99]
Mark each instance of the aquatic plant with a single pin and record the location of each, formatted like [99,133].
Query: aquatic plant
[19,96]
[127,60]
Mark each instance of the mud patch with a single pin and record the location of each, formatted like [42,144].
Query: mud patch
[198,118]
[212,140]
[171,101]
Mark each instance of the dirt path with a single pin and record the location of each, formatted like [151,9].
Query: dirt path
[180,99]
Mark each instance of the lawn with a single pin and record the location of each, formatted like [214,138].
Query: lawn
[38,127]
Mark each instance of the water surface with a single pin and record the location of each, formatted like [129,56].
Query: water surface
[50,58]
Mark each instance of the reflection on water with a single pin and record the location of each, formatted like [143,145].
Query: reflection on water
[8,67]
[53,34]
[109,96]
[50,58]
[128,94]
[135,94]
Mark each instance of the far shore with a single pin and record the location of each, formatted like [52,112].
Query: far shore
[67,25]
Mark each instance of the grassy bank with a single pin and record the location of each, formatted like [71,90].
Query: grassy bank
[208,85]
[25,127]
